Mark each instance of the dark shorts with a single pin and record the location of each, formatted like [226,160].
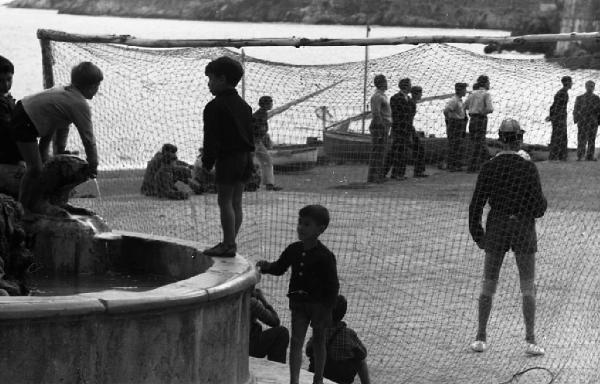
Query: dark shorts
[503,233]
[22,128]
[316,314]
[234,168]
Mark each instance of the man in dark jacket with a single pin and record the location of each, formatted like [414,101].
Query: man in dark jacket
[587,117]
[558,118]
[511,185]
[403,110]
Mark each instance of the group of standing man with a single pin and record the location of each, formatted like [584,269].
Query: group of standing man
[393,134]
[395,140]
[586,114]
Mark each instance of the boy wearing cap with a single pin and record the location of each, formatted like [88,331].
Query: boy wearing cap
[511,185]
[456,126]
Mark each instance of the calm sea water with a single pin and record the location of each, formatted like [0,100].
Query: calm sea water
[19,43]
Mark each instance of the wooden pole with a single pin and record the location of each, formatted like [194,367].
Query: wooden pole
[244,75]
[366,71]
[47,62]
[304,42]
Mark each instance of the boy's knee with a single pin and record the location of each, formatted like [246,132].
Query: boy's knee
[528,288]
[488,287]
[283,335]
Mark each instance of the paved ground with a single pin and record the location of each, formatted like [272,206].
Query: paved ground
[269,372]
[410,270]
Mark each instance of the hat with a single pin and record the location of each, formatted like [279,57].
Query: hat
[510,126]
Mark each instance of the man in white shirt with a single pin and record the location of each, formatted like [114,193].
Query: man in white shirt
[479,105]
[456,125]
[379,128]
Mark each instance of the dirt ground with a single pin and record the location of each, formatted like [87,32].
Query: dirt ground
[409,268]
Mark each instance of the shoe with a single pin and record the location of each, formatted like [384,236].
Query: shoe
[221,250]
[420,175]
[271,187]
[534,350]
[398,178]
[592,159]
[579,159]
[479,346]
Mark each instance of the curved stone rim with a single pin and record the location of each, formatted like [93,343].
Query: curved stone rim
[225,277]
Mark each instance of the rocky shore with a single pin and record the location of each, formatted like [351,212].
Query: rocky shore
[489,14]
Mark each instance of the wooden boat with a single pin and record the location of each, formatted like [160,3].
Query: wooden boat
[341,147]
[294,157]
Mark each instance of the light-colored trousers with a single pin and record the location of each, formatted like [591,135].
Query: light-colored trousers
[266,164]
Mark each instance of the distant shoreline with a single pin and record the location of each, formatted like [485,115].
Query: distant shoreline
[442,14]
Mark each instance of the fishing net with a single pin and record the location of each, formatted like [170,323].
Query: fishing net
[406,262]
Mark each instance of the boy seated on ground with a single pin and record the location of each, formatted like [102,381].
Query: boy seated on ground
[271,343]
[163,173]
[346,354]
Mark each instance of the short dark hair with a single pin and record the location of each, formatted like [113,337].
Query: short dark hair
[226,66]
[264,100]
[460,86]
[317,212]
[403,83]
[168,147]
[85,74]
[339,309]
[416,89]
[378,79]
[6,66]
[483,79]
[476,86]
[566,79]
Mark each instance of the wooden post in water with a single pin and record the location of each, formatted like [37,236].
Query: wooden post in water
[244,75]
[365,80]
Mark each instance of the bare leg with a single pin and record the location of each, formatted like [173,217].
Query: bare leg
[526,265]
[228,221]
[320,351]
[299,328]
[238,192]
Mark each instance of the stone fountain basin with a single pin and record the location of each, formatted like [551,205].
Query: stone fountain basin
[194,330]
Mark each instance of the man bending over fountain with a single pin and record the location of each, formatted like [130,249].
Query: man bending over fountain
[39,116]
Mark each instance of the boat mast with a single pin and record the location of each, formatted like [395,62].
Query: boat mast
[365,80]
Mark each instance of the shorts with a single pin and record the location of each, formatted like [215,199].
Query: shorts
[22,128]
[234,168]
[316,314]
[503,233]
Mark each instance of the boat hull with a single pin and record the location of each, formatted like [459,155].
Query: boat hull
[299,157]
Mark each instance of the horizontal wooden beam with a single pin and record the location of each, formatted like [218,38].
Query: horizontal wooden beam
[47,34]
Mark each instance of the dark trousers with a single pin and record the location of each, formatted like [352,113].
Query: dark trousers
[377,155]
[401,150]
[586,139]
[479,152]
[455,131]
[271,343]
[558,140]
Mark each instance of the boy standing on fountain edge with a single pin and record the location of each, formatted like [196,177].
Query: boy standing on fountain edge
[228,146]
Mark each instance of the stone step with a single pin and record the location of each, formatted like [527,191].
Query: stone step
[270,372]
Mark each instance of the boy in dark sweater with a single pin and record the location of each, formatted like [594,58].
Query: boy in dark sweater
[313,287]
[228,146]
[511,185]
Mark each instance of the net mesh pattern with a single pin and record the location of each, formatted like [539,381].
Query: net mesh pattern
[406,262]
